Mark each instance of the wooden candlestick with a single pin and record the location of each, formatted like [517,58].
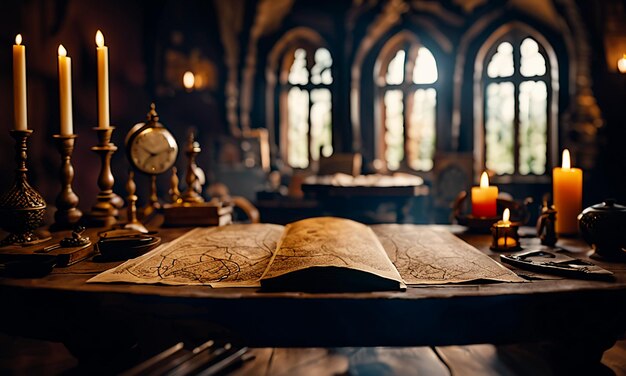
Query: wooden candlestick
[22,208]
[104,213]
[67,214]
[173,191]
[193,149]
[133,222]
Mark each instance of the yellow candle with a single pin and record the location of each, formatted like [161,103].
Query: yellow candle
[19,84]
[65,91]
[103,81]
[484,198]
[567,188]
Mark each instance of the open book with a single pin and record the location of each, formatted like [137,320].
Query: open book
[315,254]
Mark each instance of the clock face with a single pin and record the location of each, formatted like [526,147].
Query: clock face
[153,150]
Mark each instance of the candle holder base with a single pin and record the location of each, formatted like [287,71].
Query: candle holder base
[22,208]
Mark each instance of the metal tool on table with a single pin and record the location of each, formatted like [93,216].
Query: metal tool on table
[551,262]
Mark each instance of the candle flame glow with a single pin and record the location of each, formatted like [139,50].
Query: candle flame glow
[99,39]
[484,180]
[566,164]
[18,39]
[188,80]
[62,50]
[621,64]
[506,216]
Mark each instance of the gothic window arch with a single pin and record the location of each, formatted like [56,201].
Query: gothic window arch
[406,77]
[302,90]
[516,79]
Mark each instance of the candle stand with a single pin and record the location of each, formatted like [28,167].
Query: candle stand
[505,237]
[67,214]
[22,208]
[104,213]
[190,195]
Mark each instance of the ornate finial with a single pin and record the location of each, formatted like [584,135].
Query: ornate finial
[152,114]
[174,191]
[546,230]
[192,179]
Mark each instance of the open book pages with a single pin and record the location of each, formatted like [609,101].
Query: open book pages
[431,255]
[233,255]
[240,254]
[329,254]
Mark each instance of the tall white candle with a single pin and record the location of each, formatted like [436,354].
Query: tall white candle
[103,81]
[65,91]
[19,84]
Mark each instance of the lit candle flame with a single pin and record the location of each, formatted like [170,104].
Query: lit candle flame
[99,39]
[188,80]
[621,64]
[62,50]
[506,216]
[18,39]
[566,164]
[484,180]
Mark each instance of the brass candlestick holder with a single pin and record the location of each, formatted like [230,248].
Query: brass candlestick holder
[104,213]
[22,208]
[67,214]
[193,149]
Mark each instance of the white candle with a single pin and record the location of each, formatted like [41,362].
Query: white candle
[65,91]
[19,84]
[103,81]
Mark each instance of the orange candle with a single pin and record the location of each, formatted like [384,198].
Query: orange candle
[484,198]
[567,190]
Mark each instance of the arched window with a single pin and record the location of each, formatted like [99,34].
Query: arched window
[518,87]
[305,105]
[406,79]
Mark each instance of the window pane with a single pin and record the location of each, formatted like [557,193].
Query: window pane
[501,64]
[425,71]
[395,70]
[500,112]
[532,61]
[298,74]
[394,128]
[533,131]
[297,134]
[421,132]
[321,123]
[320,73]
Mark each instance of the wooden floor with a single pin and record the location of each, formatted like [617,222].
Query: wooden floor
[20,356]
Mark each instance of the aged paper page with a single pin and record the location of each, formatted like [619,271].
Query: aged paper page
[233,255]
[330,242]
[429,255]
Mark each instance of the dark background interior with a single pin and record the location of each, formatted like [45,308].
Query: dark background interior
[231,41]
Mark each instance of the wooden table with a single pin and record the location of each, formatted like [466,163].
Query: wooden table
[95,320]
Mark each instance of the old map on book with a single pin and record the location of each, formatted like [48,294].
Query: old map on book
[312,251]
[234,255]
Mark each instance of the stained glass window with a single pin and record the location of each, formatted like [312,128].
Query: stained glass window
[516,87]
[308,106]
[409,98]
